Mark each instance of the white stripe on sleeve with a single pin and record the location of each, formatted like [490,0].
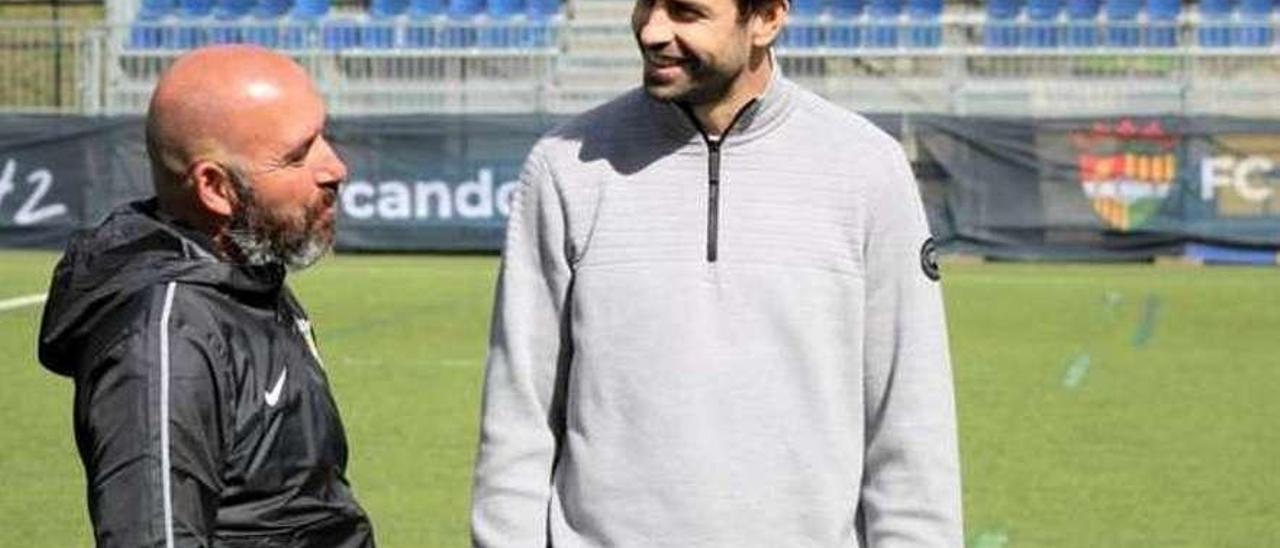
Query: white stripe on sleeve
[166,488]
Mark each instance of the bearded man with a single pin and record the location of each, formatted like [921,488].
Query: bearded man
[202,414]
[718,321]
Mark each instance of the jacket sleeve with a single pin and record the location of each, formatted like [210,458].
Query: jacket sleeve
[148,427]
[911,483]
[522,412]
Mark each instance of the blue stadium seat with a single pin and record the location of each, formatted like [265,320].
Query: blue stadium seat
[845,29]
[191,31]
[802,29]
[464,18]
[377,33]
[504,24]
[263,25]
[1161,30]
[378,30]
[271,9]
[465,9]
[262,32]
[1215,28]
[544,17]
[153,10]
[1254,29]
[1082,23]
[1002,24]
[144,34]
[302,24]
[425,9]
[505,9]
[1123,28]
[299,34]
[339,34]
[309,10]
[189,9]
[542,9]
[228,10]
[1042,29]
[385,9]
[884,15]
[228,16]
[151,28]
[426,19]
[924,28]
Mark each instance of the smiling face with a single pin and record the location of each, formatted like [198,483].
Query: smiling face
[694,50]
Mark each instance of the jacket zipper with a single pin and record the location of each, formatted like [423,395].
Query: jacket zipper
[714,145]
[713,199]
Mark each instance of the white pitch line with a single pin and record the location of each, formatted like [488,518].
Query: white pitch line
[19,302]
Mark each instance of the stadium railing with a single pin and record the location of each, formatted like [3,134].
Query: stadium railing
[1047,65]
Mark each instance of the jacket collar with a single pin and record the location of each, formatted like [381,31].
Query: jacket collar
[760,118]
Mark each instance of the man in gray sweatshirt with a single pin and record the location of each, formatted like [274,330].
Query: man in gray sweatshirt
[718,320]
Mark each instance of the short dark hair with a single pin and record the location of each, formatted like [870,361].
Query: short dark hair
[747,8]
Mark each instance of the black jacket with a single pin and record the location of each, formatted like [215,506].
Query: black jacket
[202,414]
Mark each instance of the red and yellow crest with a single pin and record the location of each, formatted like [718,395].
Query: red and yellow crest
[1127,169]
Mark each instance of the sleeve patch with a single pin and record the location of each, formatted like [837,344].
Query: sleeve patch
[929,260]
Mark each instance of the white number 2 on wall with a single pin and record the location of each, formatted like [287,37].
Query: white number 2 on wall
[32,211]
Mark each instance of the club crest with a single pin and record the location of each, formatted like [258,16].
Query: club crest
[1126,170]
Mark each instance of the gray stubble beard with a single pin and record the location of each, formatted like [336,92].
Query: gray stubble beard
[262,238]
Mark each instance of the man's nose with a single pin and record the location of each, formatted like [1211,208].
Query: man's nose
[329,167]
[652,26]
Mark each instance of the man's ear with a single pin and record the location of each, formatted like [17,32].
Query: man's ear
[767,22]
[213,188]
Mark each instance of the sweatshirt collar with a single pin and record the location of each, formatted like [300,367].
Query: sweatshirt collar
[758,119]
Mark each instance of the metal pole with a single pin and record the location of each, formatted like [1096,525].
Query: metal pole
[57,53]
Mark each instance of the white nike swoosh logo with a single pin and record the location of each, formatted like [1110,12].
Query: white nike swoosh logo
[273,395]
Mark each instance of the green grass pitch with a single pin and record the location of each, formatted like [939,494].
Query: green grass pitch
[1099,405]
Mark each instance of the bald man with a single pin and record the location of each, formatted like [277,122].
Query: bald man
[202,412]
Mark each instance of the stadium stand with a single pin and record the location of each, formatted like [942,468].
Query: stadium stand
[1003,57]
[924,29]
[1082,23]
[804,28]
[1001,29]
[845,29]
[884,16]
[1255,23]
[1123,26]
[306,24]
[1042,29]
[1215,28]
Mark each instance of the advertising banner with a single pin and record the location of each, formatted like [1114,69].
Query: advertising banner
[1090,188]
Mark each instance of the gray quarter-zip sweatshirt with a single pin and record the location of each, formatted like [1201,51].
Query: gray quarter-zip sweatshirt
[734,344]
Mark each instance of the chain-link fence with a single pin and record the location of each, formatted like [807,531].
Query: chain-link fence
[47,66]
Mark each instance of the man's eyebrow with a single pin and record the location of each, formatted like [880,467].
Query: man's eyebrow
[303,147]
[687,5]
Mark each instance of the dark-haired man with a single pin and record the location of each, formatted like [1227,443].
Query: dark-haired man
[202,414]
[718,321]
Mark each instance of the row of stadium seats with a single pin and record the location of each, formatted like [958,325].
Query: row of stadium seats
[859,23]
[1125,23]
[311,10]
[1032,24]
[347,34]
[306,24]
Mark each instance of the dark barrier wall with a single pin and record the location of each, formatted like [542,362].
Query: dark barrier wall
[1109,188]
[436,183]
[1104,188]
